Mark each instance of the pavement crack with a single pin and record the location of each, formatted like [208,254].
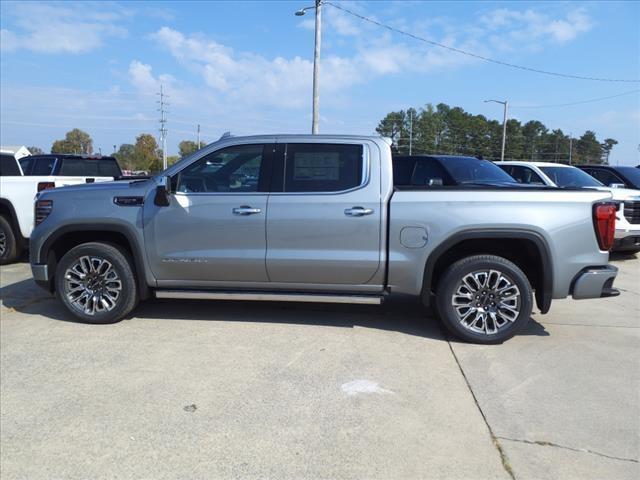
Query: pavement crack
[496,440]
[555,445]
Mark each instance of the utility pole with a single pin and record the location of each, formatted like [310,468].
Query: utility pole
[410,130]
[570,146]
[316,63]
[504,125]
[198,136]
[163,126]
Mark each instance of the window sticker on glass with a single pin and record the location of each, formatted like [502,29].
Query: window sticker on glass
[316,166]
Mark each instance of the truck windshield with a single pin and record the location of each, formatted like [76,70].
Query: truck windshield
[570,177]
[473,170]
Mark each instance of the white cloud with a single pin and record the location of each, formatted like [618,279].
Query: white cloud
[514,28]
[61,28]
[252,78]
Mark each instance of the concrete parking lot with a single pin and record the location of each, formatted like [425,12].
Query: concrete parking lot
[238,390]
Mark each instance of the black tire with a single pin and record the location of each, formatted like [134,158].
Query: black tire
[502,318]
[9,248]
[90,311]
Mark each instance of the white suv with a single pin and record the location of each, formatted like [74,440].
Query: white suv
[567,176]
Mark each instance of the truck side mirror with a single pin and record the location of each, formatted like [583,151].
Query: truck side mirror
[163,190]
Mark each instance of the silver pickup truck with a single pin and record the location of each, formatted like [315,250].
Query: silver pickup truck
[326,219]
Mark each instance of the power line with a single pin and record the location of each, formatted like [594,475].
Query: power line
[475,55]
[577,103]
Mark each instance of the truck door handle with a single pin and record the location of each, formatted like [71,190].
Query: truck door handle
[246,210]
[358,211]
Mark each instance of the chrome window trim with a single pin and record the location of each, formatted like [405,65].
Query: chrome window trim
[238,141]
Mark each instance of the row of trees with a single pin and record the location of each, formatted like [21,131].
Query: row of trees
[441,129]
[451,130]
[144,154]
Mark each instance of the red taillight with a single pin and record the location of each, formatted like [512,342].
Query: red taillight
[604,222]
[45,186]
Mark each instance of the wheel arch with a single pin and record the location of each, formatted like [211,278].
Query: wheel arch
[9,212]
[70,236]
[528,249]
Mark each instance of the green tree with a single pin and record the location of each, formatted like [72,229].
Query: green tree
[146,151]
[533,133]
[35,150]
[607,146]
[588,149]
[187,147]
[171,159]
[75,141]
[451,130]
[126,156]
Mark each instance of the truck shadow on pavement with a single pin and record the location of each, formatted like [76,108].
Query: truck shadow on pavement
[399,315]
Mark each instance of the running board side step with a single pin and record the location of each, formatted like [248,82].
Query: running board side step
[269,297]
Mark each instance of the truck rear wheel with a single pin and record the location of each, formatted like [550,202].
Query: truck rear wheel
[484,299]
[95,281]
[9,249]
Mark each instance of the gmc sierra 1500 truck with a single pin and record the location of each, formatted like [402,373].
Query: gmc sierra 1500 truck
[318,218]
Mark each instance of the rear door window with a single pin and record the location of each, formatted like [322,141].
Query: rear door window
[25,164]
[43,166]
[321,167]
[525,175]
[428,172]
[604,176]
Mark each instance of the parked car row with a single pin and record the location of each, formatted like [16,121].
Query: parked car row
[316,218]
[627,236]
[21,179]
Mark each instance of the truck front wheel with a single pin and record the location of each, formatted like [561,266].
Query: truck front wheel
[95,281]
[484,299]
[9,249]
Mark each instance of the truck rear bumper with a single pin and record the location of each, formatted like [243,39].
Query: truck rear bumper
[595,282]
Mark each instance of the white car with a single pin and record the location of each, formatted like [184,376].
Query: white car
[627,237]
[21,179]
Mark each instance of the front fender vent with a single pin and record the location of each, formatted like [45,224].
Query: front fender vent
[129,201]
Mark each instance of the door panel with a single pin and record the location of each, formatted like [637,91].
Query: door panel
[199,237]
[214,226]
[330,237]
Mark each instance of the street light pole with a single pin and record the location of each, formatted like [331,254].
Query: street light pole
[316,63]
[504,125]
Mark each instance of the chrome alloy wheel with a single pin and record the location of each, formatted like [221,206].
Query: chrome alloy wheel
[92,285]
[3,243]
[486,301]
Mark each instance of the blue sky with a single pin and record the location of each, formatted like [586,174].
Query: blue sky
[246,67]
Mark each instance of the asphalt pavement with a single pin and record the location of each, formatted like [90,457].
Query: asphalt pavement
[195,389]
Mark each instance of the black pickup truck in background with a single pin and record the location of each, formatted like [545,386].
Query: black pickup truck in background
[67,165]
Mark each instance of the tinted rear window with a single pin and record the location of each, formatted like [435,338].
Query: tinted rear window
[8,166]
[84,167]
[321,167]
